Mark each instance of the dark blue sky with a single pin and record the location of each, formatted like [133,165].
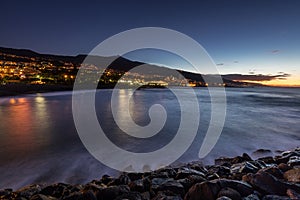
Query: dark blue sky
[262,36]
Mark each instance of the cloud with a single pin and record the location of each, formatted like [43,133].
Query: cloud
[275,51]
[255,77]
[220,64]
[236,61]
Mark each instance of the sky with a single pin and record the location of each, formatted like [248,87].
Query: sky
[257,40]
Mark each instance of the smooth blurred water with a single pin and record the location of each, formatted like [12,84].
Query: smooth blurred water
[39,142]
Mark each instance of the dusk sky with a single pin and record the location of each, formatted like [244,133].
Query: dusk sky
[242,37]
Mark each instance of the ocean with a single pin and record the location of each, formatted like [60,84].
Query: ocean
[40,144]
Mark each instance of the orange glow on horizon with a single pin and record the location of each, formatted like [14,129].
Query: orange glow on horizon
[293,81]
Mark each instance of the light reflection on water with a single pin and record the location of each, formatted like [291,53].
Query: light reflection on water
[39,142]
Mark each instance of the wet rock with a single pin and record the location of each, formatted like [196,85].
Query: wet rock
[130,196]
[89,187]
[221,171]
[284,167]
[112,192]
[224,198]
[186,183]
[275,197]
[229,192]
[106,179]
[29,191]
[162,196]
[156,182]
[203,191]
[292,175]
[245,167]
[251,197]
[274,171]
[5,192]
[167,172]
[172,186]
[146,195]
[244,188]
[235,160]
[267,159]
[292,194]
[57,190]
[260,151]
[294,161]
[137,185]
[185,172]
[268,184]
[135,176]
[199,167]
[285,157]
[122,180]
[87,195]
[196,179]
[41,197]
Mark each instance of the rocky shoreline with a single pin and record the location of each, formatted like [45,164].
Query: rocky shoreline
[238,178]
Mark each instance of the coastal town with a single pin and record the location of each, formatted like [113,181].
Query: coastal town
[27,67]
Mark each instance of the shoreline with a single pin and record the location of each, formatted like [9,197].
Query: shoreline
[23,89]
[240,177]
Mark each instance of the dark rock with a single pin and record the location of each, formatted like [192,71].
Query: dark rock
[185,172]
[203,191]
[162,196]
[285,157]
[122,180]
[251,197]
[75,196]
[168,172]
[224,198]
[172,186]
[294,161]
[159,175]
[221,171]
[292,175]
[156,182]
[235,160]
[146,195]
[41,197]
[275,197]
[229,192]
[29,191]
[112,192]
[186,183]
[130,196]
[89,187]
[268,184]
[262,151]
[5,192]
[267,160]
[245,167]
[292,194]
[196,179]
[55,190]
[106,179]
[274,171]
[244,188]
[246,157]
[213,176]
[137,185]
[135,176]
[284,167]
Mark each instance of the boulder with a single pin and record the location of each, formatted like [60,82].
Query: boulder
[292,175]
[268,184]
[229,192]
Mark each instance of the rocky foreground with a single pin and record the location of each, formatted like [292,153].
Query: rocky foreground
[267,178]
